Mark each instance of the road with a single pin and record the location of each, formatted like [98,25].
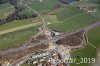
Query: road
[41,17]
[45,42]
[27,46]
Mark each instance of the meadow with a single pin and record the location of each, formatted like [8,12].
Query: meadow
[73,23]
[5,10]
[15,23]
[41,5]
[16,38]
[89,51]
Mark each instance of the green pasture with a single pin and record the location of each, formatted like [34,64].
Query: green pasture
[16,38]
[89,51]
[5,10]
[73,23]
[94,37]
[67,12]
[15,23]
[51,19]
[40,5]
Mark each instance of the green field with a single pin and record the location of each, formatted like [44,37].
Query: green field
[16,38]
[5,10]
[88,51]
[51,19]
[94,37]
[15,23]
[67,12]
[40,5]
[72,23]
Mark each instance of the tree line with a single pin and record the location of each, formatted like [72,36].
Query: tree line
[16,14]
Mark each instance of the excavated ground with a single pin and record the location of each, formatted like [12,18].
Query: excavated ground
[20,54]
[72,40]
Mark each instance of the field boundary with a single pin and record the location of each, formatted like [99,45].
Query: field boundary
[18,28]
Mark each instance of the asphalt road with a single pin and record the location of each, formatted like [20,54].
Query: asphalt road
[55,39]
[45,42]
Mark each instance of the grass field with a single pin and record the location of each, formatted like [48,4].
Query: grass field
[51,19]
[40,5]
[67,12]
[15,23]
[94,37]
[16,38]
[74,22]
[88,51]
[19,28]
[5,10]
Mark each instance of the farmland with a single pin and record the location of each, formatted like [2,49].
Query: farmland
[73,22]
[94,37]
[67,12]
[41,5]
[15,23]
[5,10]
[26,16]
[51,19]
[89,51]
[16,38]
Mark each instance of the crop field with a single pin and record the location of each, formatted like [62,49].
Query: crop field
[67,12]
[16,38]
[89,51]
[74,22]
[94,37]
[15,23]
[51,19]
[5,10]
[40,5]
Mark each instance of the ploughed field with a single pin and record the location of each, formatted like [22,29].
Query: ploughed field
[73,40]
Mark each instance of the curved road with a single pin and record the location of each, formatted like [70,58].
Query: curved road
[27,46]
